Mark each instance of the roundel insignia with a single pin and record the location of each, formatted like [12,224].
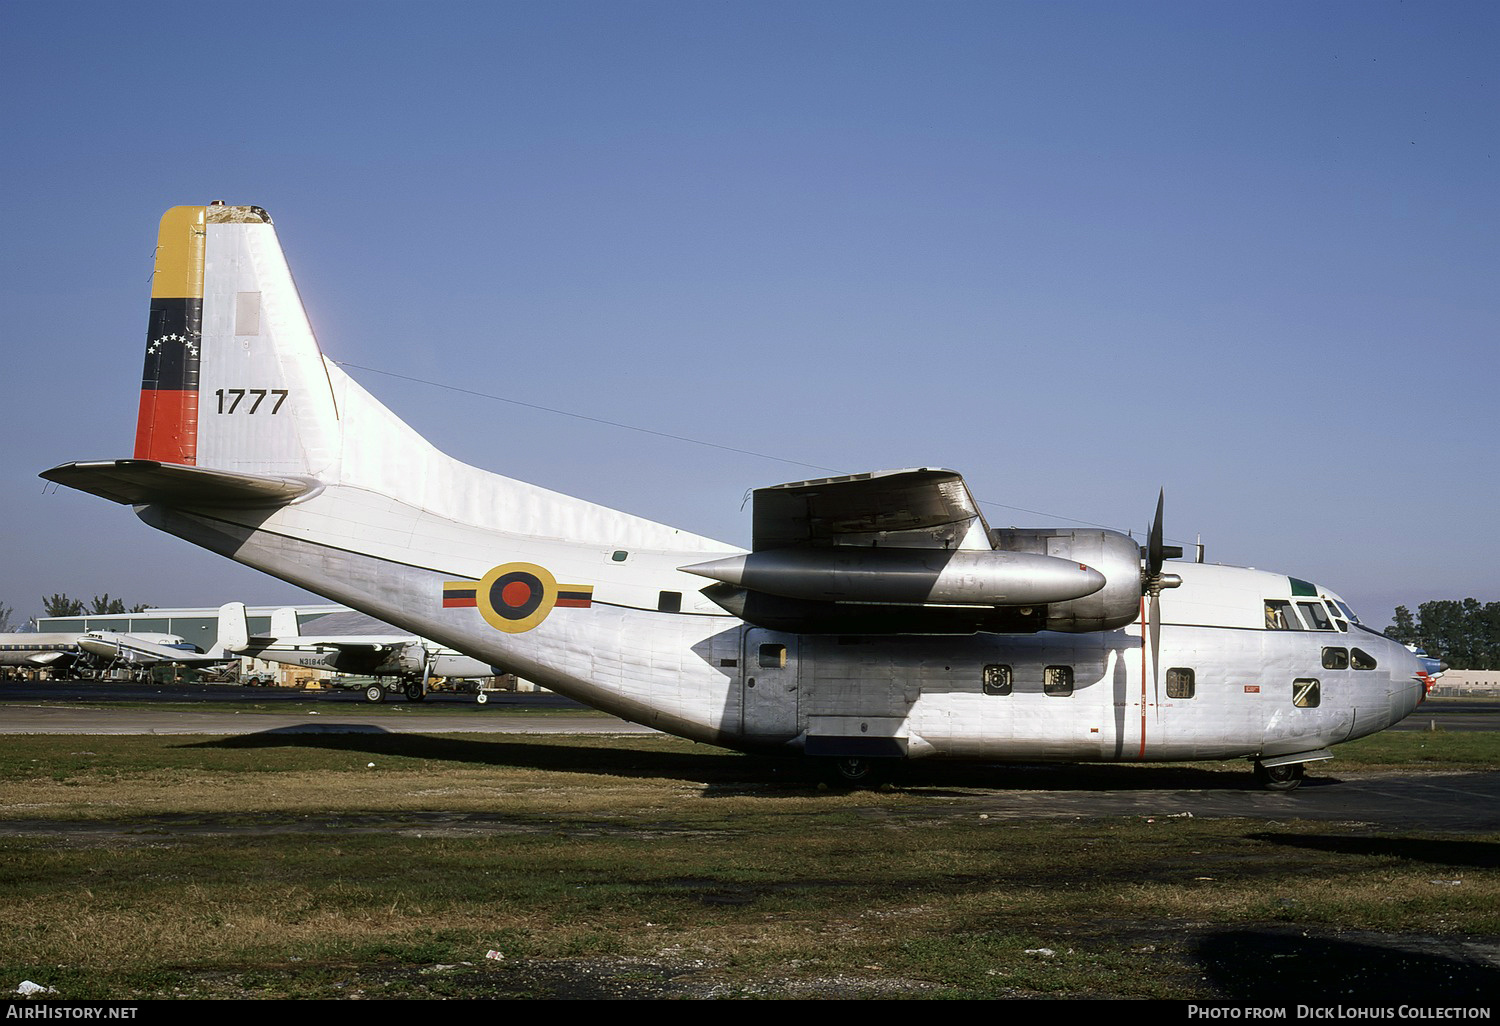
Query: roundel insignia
[516,597]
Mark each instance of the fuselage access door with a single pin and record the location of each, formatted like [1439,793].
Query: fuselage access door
[772,687]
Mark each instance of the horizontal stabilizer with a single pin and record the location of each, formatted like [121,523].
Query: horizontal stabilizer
[148,482]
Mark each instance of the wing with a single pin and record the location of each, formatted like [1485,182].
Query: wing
[894,552]
[922,508]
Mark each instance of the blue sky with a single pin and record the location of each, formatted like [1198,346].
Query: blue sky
[1078,251]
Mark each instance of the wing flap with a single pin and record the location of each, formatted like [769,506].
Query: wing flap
[150,483]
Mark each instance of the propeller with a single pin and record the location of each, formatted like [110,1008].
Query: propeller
[1152,583]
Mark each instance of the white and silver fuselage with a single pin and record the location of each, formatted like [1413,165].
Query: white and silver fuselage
[1228,686]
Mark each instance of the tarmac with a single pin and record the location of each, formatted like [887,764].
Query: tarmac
[1457,802]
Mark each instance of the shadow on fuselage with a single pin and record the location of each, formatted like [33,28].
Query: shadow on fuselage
[726,772]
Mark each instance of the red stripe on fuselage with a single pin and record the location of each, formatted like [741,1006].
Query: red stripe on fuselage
[167,427]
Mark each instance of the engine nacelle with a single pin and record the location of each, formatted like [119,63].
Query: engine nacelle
[411,660]
[1115,555]
[913,577]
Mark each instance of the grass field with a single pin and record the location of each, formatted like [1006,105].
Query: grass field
[332,865]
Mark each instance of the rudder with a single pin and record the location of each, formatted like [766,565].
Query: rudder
[167,422]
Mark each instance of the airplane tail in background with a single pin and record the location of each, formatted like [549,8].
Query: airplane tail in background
[284,623]
[234,628]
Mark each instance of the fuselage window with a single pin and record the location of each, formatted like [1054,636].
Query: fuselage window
[1336,658]
[1361,659]
[1280,616]
[1316,615]
[669,602]
[1180,682]
[997,680]
[1057,681]
[773,657]
[1305,693]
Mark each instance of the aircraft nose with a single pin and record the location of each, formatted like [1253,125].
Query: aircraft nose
[1410,683]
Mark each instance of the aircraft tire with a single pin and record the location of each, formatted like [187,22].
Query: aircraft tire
[414,692]
[854,771]
[1279,778]
[481,698]
[375,693]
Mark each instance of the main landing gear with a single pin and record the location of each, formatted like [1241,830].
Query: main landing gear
[854,771]
[1286,777]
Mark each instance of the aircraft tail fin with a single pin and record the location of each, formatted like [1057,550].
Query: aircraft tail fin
[240,408]
[284,623]
[233,379]
[234,628]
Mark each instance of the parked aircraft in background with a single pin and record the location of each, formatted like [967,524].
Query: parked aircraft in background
[876,616]
[415,661]
[146,650]
[101,650]
[40,651]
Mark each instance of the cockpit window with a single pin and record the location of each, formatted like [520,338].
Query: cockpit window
[1315,614]
[1344,608]
[1280,616]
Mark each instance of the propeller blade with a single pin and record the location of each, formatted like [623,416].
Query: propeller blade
[1156,644]
[1155,553]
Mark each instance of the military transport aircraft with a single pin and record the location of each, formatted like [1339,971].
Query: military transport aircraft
[876,616]
[415,661]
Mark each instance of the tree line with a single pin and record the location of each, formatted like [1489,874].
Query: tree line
[62,605]
[1465,634]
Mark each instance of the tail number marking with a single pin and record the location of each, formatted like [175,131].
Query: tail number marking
[236,396]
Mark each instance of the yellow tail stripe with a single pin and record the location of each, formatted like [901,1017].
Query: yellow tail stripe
[179,254]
